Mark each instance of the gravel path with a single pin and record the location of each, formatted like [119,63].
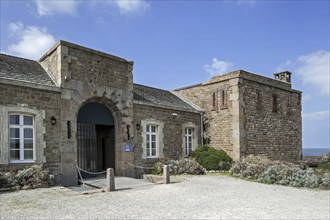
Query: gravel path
[195,197]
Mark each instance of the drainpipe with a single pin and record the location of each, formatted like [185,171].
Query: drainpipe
[202,130]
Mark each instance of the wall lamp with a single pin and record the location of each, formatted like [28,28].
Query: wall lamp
[53,120]
[138,126]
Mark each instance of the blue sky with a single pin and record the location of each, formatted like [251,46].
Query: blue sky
[180,43]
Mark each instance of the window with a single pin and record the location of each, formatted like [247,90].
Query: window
[288,106]
[151,141]
[188,140]
[223,100]
[22,132]
[258,101]
[214,101]
[274,103]
[21,138]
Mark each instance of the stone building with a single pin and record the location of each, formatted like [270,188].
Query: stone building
[79,106]
[250,114]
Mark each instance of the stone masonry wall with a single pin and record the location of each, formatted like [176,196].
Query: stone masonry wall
[241,129]
[20,96]
[173,131]
[276,135]
[219,120]
[88,75]
[52,65]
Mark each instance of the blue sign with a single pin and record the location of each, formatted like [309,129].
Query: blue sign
[127,147]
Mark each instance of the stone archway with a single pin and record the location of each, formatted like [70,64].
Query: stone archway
[95,138]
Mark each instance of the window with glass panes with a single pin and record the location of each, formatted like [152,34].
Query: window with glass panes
[151,140]
[21,138]
[188,139]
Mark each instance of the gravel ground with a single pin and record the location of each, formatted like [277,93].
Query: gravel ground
[195,197]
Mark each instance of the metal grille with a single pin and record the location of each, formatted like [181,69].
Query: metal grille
[87,146]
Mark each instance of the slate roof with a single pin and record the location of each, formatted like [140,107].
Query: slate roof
[21,69]
[159,97]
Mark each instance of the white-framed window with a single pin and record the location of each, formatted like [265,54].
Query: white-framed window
[188,140]
[21,138]
[152,134]
[151,140]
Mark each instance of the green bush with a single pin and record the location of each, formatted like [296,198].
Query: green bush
[184,166]
[211,158]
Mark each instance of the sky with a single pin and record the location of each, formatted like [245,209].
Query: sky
[179,43]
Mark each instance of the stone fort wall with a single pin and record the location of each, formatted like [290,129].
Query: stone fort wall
[271,129]
[218,116]
[86,75]
[249,124]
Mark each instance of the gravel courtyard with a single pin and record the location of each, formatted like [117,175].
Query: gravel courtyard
[194,197]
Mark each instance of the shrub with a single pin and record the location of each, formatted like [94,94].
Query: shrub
[325,158]
[30,177]
[289,176]
[251,166]
[325,181]
[264,170]
[211,158]
[323,170]
[183,166]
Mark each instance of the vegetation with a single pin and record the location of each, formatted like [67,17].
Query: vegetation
[28,178]
[264,170]
[183,166]
[211,158]
[323,171]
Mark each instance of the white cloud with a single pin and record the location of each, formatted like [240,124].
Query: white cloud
[218,67]
[15,27]
[314,70]
[52,7]
[48,8]
[129,6]
[320,115]
[32,43]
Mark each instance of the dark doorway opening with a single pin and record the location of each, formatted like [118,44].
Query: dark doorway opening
[105,147]
[95,139]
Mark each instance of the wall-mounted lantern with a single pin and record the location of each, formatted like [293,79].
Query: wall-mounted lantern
[53,120]
[138,126]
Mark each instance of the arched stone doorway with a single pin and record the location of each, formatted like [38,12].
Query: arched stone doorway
[95,138]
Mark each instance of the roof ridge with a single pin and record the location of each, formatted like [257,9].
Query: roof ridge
[136,84]
[17,57]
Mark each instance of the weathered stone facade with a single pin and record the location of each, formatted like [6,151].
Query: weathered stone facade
[78,77]
[41,101]
[241,118]
[174,123]
[86,75]
[87,112]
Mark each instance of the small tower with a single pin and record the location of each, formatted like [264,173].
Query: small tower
[283,76]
